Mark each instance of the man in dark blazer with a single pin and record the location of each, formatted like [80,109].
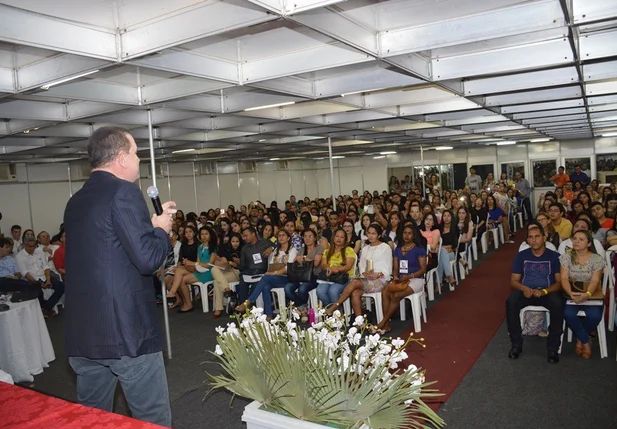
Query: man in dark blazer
[112,327]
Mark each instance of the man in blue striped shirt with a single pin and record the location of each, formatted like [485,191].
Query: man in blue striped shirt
[8,265]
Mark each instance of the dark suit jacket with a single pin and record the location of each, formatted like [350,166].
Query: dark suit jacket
[112,252]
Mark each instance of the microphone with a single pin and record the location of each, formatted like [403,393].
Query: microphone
[153,193]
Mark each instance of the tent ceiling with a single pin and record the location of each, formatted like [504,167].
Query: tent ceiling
[373,75]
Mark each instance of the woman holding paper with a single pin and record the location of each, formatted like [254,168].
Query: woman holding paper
[581,275]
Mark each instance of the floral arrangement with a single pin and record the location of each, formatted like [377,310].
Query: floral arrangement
[330,373]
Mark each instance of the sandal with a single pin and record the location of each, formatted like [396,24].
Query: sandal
[243,307]
[374,329]
[333,306]
[176,304]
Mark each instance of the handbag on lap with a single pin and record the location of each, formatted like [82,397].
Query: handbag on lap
[300,272]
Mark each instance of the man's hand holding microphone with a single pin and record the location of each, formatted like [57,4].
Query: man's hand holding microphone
[164,213]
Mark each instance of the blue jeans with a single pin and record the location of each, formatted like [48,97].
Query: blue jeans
[58,288]
[263,288]
[143,381]
[328,293]
[582,328]
[443,264]
[301,297]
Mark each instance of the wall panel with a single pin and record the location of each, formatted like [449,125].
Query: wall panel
[297,183]
[351,178]
[267,185]
[229,192]
[15,209]
[282,187]
[207,192]
[48,203]
[249,189]
[182,193]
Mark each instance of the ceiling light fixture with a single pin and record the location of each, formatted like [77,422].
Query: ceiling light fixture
[183,150]
[390,152]
[274,159]
[338,157]
[505,143]
[609,135]
[444,148]
[49,85]
[360,92]
[269,106]
[379,157]
[539,140]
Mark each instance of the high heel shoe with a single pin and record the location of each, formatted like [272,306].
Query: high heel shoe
[243,307]
[331,308]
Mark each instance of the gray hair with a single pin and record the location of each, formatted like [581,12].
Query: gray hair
[29,240]
[106,143]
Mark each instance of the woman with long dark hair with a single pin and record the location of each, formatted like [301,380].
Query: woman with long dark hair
[408,269]
[375,267]
[337,259]
[449,242]
[225,270]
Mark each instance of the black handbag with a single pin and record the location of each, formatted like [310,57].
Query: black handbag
[340,278]
[300,272]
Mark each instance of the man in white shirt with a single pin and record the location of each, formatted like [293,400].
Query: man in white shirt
[16,234]
[35,268]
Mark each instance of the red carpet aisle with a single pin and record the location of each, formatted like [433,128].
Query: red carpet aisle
[462,323]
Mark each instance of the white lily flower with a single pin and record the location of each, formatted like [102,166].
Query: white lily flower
[359,321]
[398,343]
[218,350]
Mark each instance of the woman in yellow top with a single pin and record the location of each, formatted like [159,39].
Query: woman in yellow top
[339,258]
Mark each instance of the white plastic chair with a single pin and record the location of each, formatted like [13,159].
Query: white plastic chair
[519,215]
[280,299]
[47,293]
[418,307]
[204,292]
[541,309]
[431,276]
[474,247]
[378,304]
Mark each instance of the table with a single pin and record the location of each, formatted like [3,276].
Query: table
[27,409]
[25,346]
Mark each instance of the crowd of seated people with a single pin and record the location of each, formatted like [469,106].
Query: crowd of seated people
[35,260]
[360,243]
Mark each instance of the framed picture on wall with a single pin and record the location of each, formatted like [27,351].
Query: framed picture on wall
[542,171]
[584,162]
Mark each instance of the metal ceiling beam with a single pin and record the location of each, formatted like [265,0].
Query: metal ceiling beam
[93,90]
[56,68]
[363,80]
[85,109]
[321,57]
[7,80]
[183,62]
[585,11]
[521,81]
[507,21]
[341,27]
[171,89]
[534,96]
[188,24]
[29,110]
[543,106]
[508,59]
[289,85]
[288,7]
[42,31]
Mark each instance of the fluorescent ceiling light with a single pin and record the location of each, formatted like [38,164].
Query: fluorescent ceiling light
[338,157]
[609,135]
[444,148]
[58,82]
[505,143]
[390,152]
[379,157]
[539,140]
[262,140]
[183,150]
[274,159]
[269,105]
[360,92]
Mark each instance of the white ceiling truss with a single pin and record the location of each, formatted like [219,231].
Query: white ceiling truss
[369,74]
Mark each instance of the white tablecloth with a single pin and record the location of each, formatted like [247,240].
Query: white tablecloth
[25,346]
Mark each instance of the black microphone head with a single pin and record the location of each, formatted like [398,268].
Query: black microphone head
[152,192]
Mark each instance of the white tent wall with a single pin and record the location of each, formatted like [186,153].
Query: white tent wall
[50,187]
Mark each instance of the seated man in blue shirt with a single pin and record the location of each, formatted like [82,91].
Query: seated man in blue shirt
[536,281]
[8,265]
